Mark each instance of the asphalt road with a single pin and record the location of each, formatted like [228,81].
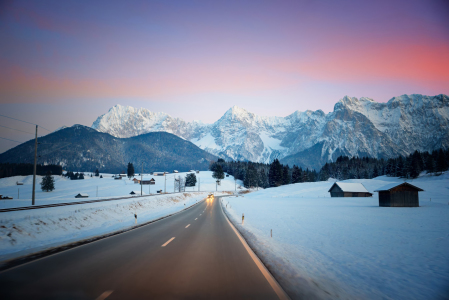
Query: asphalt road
[193,255]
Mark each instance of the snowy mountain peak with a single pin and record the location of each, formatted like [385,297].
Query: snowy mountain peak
[356,127]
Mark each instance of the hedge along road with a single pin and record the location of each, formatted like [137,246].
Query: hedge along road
[196,254]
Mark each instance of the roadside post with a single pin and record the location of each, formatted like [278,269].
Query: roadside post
[135,219]
[243,219]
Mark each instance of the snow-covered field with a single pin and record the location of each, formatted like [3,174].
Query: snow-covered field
[23,232]
[108,187]
[350,248]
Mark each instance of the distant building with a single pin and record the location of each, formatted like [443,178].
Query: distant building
[197,171]
[117,177]
[136,193]
[81,195]
[19,183]
[158,173]
[123,175]
[175,171]
[399,195]
[345,189]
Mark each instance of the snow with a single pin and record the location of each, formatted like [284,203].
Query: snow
[350,248]
[24,232]
[29,231]
[206,142]
[270,142]
[352,187]
[390,186]
[108,187]
[239,128]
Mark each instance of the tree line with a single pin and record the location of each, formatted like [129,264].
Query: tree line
[22,169]
[275,174]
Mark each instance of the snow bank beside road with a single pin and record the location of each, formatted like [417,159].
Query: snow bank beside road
[24,232]
[350,247]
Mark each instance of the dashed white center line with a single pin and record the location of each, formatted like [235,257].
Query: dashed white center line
[196,219]
[200,214]
[168,242]
[104,295]
[187,225]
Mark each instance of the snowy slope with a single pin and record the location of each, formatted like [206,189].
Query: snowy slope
[66,189]
[350,248]
[29,231]
[360,127]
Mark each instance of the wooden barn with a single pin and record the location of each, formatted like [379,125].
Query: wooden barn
[145,181]
[399,195]
[81,195]
[345,189]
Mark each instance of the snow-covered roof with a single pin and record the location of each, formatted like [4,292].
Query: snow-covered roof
[351,187]
[136,193]
[83,195]
[395,184]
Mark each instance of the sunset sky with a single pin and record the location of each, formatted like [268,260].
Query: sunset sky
[67,62]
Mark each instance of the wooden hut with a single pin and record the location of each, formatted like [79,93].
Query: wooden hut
[346,189]
[81,195]
[148,181]
[399,195]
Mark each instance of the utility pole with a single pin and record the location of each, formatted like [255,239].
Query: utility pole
[174,183]
[165,184]
[199,183]
[33,201]
[235,184]
[141,178]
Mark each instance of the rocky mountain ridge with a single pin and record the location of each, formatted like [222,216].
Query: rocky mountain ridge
[356,127]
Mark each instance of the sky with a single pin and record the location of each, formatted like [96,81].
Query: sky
[68,62]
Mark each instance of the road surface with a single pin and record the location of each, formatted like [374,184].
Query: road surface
[192,255]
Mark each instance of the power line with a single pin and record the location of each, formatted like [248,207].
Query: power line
[11,140]
[24,122]
[16,129]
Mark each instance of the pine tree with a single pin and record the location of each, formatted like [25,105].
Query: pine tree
[285,175]
[48,183]
[218,172]
[190,179]
[375,172]
[130,171]
[295,174]
[97,173]
[430,164]
[263,179]
[441,162]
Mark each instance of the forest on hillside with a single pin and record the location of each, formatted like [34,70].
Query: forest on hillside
[275,174]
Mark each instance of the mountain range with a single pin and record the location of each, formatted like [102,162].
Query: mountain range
[356,127]
[80,148]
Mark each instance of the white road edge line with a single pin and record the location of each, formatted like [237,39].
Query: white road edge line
[104,295]
[274,284]
[187,225]
[196,219]
[168,242]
